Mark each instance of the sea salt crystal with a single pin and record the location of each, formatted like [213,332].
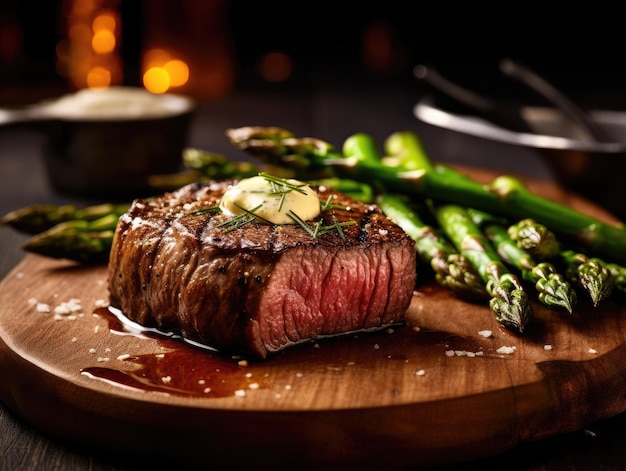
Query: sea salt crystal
[592,350]
[43,308]
[420,372]
[485,333]
[547,347]
[68,309]
[506,350]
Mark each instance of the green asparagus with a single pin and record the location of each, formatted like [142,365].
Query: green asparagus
[536,239]
[38,218]
[509,301]
[583,272]
[552,288]
[452,270]
[404,149]
[87,242]
[618,274]
[202,165]
[588,273]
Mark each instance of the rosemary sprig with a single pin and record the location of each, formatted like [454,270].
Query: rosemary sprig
[210,209]
[240,220]
[317,229]
[282,185]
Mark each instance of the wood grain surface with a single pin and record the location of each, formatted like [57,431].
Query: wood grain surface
[434,391]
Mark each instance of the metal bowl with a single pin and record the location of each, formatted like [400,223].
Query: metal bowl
[595,170]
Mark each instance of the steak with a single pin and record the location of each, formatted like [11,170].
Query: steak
[258,288]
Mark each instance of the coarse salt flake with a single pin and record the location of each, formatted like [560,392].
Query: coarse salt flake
[124,356]
[485,333]
[166,379]
[253,386]
[240,393]
[43,308]
[547,347]
[506,350]
[592,350]
[420,372]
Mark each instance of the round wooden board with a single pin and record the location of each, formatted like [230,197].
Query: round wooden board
[432,392]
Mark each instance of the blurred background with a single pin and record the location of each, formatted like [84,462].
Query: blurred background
[210,49]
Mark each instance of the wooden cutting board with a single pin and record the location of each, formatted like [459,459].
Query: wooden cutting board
[435,391]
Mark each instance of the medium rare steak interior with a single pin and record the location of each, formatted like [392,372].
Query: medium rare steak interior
[179,263]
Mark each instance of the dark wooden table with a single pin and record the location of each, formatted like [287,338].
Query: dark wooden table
[332,116]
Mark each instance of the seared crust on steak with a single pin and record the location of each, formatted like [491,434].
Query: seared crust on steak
[258,288]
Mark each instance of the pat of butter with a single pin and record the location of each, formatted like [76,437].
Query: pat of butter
[271,201]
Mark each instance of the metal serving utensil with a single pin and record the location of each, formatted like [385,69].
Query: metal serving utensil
[537,83]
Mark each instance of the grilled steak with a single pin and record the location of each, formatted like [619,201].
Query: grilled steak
[258,288]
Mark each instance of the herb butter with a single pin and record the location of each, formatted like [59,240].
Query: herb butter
[271,200]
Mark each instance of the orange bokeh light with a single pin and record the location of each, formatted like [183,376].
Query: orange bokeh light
[103,42]
[156,80]
[163,71]
[88,55]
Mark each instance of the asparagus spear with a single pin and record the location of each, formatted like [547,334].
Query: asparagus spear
[202,166]
[618,274]
[588,273]
[509,301]
[404,149]
[535,238]
[452,270]
[553,290]
[38,218]
[83,241]
[505,196]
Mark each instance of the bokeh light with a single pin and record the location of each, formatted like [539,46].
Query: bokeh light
[163,71]
[88,56]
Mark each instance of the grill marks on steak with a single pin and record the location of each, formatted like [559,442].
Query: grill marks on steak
[259,288]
